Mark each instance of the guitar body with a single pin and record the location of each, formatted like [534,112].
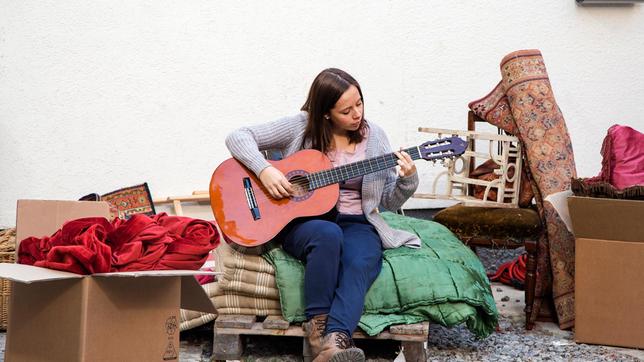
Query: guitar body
[234,188]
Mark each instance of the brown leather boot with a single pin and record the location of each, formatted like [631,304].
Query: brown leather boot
[314,331]
[338,347]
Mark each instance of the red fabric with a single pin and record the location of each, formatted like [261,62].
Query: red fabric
[193,239]
[78,247]
[511,273]
[622,158]
[138,243]
[206,279]
[94,245]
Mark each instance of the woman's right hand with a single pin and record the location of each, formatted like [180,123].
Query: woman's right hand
[275,182]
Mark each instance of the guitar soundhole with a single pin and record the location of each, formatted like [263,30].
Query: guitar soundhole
[300,186]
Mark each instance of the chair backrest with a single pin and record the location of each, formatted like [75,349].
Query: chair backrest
[504,151]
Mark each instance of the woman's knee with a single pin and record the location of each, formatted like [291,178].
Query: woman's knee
[326,234]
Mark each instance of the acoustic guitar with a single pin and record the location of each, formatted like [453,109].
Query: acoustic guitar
[249,217]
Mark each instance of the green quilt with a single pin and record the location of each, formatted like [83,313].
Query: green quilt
[443,282]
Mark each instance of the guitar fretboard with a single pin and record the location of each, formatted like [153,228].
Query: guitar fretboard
[356,169]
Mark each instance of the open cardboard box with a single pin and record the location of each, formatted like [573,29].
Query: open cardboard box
[609,265]
[60,316]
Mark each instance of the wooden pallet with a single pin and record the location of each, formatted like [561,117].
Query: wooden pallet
[228,329]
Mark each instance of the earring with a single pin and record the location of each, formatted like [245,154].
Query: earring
[327,117]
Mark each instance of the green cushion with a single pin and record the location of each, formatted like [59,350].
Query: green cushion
[443,281]
[485,222]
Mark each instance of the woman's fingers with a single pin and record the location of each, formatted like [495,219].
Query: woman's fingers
[287,186]
[407,166]
[281,191]
[275,183]
[401,170]
[407,157]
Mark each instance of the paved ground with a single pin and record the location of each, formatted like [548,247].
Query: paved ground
[546,342]
[512,343]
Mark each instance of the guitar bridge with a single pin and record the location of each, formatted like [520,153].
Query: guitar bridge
[250,199]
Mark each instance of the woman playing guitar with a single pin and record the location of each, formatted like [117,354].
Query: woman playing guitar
[342,250]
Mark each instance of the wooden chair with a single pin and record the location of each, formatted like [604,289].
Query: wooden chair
[498,227]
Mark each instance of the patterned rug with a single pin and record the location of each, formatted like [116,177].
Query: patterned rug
[131,200]
[523,104]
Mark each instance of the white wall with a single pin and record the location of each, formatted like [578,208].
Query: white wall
[98,95]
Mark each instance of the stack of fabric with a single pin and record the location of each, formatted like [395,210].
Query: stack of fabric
[443,281]
[247,286]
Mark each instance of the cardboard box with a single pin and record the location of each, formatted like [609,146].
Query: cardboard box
[60,316]
[609,267]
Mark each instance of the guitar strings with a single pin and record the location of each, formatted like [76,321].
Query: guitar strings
[347,169]
[381,163]
[332,174]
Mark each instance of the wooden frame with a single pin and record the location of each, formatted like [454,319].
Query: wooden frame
[228,344]
[504,150]
[197,196]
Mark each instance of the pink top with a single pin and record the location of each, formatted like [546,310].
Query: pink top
[350,201]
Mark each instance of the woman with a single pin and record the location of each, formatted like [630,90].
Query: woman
[342,250]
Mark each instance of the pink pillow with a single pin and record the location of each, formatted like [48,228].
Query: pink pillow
[623,157]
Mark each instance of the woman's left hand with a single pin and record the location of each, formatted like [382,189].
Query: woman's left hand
[407,166]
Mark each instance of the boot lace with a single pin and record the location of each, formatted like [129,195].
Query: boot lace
[343,341]
[319,324]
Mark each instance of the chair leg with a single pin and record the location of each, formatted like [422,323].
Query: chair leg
[530,281]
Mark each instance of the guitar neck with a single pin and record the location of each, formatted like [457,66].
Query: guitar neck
[357,169]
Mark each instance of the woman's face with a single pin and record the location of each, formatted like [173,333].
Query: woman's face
[346,114]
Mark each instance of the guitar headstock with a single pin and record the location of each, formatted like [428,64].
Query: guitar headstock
[442,148]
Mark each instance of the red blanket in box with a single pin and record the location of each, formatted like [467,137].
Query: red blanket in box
[95,245]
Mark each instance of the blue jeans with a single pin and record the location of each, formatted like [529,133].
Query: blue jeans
[343,257]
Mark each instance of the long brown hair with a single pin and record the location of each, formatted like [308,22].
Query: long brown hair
[325,91]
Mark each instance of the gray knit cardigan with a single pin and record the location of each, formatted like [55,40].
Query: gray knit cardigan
[383,188]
